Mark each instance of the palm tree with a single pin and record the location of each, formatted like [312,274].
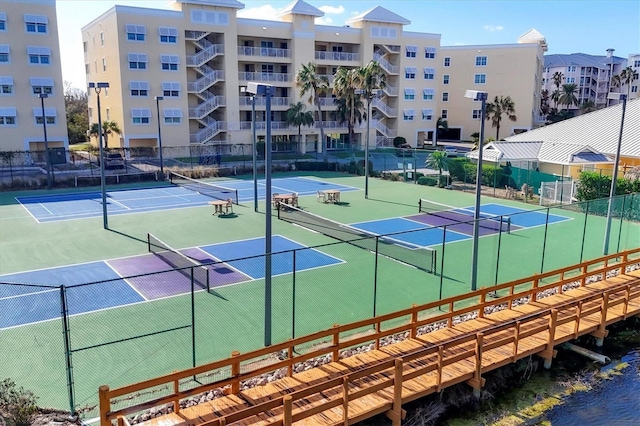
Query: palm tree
[555,97]
[309,82]
[297,116]
[557,81]
[442,125]
[438,160]
[625,78]
[494,111]
[587,106]
[345,84]
[568,96]
[371,78]
[108,128]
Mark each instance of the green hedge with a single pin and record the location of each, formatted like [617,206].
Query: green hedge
[428,181]
[593,185]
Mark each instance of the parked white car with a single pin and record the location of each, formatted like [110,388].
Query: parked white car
[451,151]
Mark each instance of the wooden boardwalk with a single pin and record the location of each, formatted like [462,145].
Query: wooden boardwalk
[351,389]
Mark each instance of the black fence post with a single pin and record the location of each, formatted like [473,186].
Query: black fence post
[67,348]
[544,240]
[375,279]
[193,319]
[293,296]
[624,203]
[444,241]
[584,231]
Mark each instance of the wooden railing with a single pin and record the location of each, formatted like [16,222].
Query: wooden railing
[241,367]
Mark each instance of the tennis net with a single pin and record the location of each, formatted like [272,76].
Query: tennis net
[205,188]
[459,215]
[183,264]
[388,245]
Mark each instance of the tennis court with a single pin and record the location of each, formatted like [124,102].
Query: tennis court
[184,193]
[130,316]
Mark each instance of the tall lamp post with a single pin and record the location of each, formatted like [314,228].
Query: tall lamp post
[47,157]
[266,90]
[369,95]
[477,96]
[614,178]
[98,87]
[158,99]
[253,144]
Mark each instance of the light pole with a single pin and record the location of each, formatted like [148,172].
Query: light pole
[158,99]
[369,94]
[614,178]
[47,157]
[477,96]
[266,90]
[253,144]
[98,87]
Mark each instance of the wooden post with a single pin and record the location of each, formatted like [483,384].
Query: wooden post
[396,414]
[378,327]
[335,354]
[235,372]
[288,408]
[105,405]
[576,329]
[176,391]
[548,353]
[583,281]
[483,298]
[440,361]
[477,377]
[414,320]
[536,283]
[290,366]
[516,338]
[345,400]
[627,296]
[601,332]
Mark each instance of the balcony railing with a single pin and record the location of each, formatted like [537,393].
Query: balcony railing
[195,35]
[262,125]
[203,135]
[386,65]
[329,77]
[386,109]
[206,81]
[206,54]
[332,125]
[270,52]
[337,56]
[262,101]
[206,107]
[265,76]
[391,90]
[383,129]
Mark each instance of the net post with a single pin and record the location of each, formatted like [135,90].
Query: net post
[67,348]
[207,276]
[148,242]
[293,298]
[193,318]
[420,205]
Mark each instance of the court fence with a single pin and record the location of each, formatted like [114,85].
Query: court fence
[64,349]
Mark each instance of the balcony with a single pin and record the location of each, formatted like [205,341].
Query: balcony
[209,78]
[386,65]
[331,125]
[269,77]
[270,52]
[326,102]
[337,56]
[383,107]
[208,52]
[262,101]
[207,107]
[212,129]
[262,125]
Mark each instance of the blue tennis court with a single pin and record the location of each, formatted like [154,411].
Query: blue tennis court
[425,230]
[145,277]
[53,208]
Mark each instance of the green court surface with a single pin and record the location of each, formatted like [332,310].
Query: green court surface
[156,337]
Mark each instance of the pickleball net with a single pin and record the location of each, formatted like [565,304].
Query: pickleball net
[459,215]
[218,192]
[388,245]
[183,264]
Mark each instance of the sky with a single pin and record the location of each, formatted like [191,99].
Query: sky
[570,26]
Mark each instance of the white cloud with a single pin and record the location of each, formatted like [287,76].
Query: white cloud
[324,20]
[355,13]
[332,10]
[492,28]
[267,12]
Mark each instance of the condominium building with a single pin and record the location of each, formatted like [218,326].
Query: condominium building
[634,62]
[590,73]
[30,67]
[198,55]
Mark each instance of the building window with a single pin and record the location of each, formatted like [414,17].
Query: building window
[139,88]
[427,114]
[636,64]
[571,69]
[7,116]
[137,61]
[104,64]
[168,35]
[408,114]
[384,32]
[445,96]
[6,86]
[171,89]
[39,55]
[476,113]
[429,73]
[411,51]
[140,115]
[480,79]
[4,54]
[481,61]
[409,94]
[169,62]
[429,52]
[136,32]
[428,94]
[101,39]
[3,21]
[447,62]
[199,16]
[571,80]
[87,69]
[445,79]
[444,114]
[172,115]
[36,23]
[410,72]
[634,89]
[42,86]
[49,114]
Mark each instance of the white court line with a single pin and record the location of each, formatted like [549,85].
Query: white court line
[50,212]
[29,294]
[118,203]
[28,211]
[220,261]
[123,279]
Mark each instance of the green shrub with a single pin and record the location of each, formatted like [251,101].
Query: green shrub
[18,403]
[428,181]
[399,140]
